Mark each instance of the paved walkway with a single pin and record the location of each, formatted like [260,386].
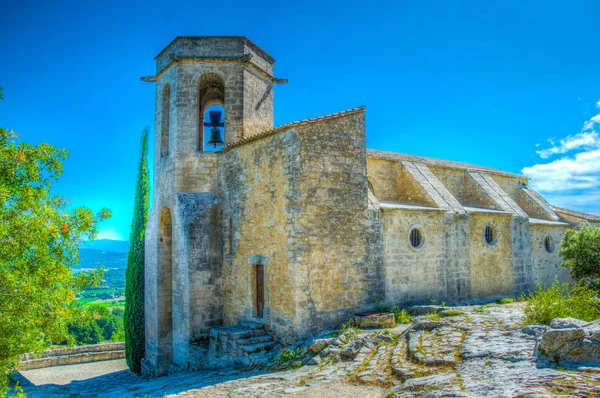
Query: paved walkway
[63,375]
[86,379]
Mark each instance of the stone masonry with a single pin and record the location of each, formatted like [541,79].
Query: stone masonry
[294,228]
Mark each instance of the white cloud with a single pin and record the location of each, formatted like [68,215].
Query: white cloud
[567,144]
[581,171]
[572,180]
[598,104]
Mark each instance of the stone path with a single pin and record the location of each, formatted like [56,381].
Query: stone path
[482,352]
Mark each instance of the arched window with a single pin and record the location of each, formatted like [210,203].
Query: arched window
[164,121]
[211,97]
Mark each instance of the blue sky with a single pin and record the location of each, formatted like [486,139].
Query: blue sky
[513,85]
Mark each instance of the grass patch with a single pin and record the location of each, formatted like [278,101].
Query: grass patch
[347,327]
[483,308]
[449,313]
[505,300]
[561,301]
[434,316]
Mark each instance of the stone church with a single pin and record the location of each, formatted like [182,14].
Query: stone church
[298,226]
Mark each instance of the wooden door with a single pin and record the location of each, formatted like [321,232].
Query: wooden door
[260,290]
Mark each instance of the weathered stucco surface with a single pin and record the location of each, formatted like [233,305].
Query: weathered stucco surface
[491,265]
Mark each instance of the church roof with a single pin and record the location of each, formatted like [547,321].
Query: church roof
[399,157]
[294,124]
[585,216]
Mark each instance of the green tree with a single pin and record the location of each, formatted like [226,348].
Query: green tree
[85,327]
[134,281]
[39,239]
[581,252]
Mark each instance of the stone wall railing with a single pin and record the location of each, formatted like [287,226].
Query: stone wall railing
[73,355]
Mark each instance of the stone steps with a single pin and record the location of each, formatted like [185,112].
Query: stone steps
[256,339]
[243,345]
[258,347]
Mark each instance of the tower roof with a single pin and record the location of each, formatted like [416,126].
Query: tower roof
[243,40]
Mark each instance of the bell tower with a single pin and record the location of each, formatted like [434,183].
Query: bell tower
[203,71]
[210,91]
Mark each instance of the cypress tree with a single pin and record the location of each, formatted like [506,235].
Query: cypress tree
[134,283]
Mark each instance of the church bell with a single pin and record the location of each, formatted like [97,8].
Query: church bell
[215,137]
[215,132]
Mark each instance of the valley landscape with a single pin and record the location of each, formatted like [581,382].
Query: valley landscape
[112,255]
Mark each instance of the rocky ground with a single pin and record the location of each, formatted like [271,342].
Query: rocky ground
[475,351]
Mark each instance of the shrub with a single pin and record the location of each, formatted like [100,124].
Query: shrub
[581,252]
[562,301]
[400,316]
[287,355]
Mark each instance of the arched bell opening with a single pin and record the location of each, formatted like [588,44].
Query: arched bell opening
[214,122]
[211,99]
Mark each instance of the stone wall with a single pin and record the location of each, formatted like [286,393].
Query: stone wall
[457,234]
[257,184]
[298,204]
[258,103]
[491,267]
[412,275]
[546,265]
[72,355]
[329,204]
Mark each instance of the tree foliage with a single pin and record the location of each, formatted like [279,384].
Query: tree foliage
[581,252]
[39,239]
[134,279]
[94,324]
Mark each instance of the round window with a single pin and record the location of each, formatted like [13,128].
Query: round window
[549,244]
[416,238]
[490,235]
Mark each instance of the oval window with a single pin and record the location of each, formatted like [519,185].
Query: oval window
[549,244]
[490,235]
[416,238]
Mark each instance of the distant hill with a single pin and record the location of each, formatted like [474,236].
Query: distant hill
[107,245]
[92,258]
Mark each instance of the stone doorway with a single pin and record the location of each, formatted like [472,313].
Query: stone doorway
[259,294]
